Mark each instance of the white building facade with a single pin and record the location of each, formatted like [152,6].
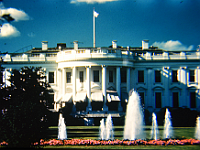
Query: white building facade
[100,79]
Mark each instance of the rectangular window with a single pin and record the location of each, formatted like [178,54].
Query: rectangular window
[174,76]
[157,76]
[81,76]
[123,76]
[158,99]
[96,75]
[142,98]
[191,76]
[175,100]
[110,76]
[140,76]
[51,77]
[192,99]
[68,75]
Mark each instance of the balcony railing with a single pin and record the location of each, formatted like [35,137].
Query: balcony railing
[92,54]
[100,53]
[23,57]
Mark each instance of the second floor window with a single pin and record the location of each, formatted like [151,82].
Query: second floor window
[191,76]
[141,76]
[174,76]
[96,76]
[157,76]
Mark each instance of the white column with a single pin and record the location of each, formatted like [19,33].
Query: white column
[150,93]
[74,83]
[105,108]
[88,71]
[59,83]
[58,93]
[118,87]
[198,82]
[167,97]
[118,81]
[58,106]
[55,106]
[128,82]
[183,94]
[63,82]
[186,96]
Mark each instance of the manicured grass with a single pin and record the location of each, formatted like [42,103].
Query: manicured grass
[92,132]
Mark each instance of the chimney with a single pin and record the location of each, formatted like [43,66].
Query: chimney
[75,45]
[44,45]
[145,44]
[114,44]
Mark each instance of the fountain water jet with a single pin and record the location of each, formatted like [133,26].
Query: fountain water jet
[62,132]
[167,126]
[106,131]
[102,130]
[134,123]
[197,130]
[154,129]
[109,128]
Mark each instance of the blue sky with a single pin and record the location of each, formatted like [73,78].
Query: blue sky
[169,24]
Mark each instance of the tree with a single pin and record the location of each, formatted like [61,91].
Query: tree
[2,102]
[26,115]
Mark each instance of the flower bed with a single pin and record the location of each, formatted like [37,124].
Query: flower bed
[117,142]
[113,142]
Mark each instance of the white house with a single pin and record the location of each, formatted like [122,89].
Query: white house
[100,78]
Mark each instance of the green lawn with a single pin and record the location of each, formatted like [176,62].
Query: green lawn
[92,132]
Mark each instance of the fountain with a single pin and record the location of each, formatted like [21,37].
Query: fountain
[197,131]
[62,133]
[109,128]
[102,130]
[167,126]
[154,129]
[106,131]
[133,128]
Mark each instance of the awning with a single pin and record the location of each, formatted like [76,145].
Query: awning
[113,97]
[97,96]
[80,97]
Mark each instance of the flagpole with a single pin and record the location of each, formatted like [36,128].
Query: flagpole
[94,40]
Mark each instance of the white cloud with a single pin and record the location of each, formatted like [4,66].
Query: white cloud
[7,30]
[18,15]
[91,1]
[172,45]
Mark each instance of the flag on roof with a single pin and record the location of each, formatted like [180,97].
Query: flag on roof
[96,14]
